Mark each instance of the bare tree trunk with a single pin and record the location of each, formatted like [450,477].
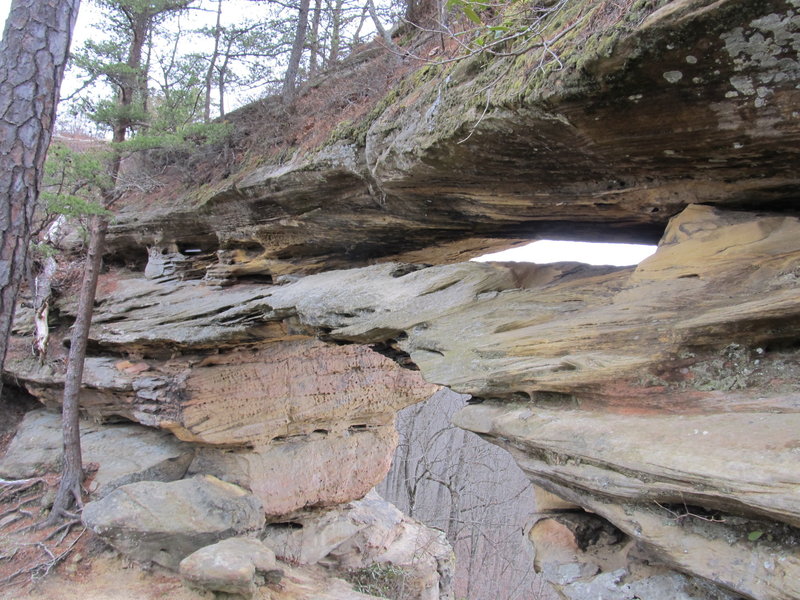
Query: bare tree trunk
[424,13]
[72,476]
[336,31]
[144,90]
[361,19]
[222,73]
[290,79]
[69,488]
[314,46]
[212,65]
[385,35]
[33,55]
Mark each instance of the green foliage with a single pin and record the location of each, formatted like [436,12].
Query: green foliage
[71,205]
[470,9]
[755,535]
[177,98]
[68,173]
[107,112]
[72,187]
[186,138]
[379,579]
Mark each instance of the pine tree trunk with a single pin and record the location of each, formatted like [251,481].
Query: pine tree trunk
[33,55]
[69,489]
[313,47]
[72,476]
[212,65]
[290,79]
[336,32]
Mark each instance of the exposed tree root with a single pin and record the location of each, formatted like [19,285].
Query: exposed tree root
[14,487]
[42,568]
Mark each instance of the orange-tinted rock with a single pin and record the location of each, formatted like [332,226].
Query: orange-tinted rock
[314,470]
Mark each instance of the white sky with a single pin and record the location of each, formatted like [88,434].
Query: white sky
[202,14]
[548,251]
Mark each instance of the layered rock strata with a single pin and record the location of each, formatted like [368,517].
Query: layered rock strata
[661,398]
[630,112]
[625,391]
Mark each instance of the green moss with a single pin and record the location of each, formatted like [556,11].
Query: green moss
[523,75]
[356,132]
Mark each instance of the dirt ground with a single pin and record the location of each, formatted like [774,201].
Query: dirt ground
[65,564]
[104,576]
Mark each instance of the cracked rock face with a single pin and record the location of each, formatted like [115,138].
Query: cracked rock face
[285,314]
[624,391]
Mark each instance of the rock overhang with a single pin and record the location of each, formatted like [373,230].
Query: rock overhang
[650,111]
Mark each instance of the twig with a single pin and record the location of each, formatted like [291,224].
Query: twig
[46,549]
[687,513]
[48,565]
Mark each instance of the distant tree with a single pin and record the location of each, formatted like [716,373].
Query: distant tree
[246,54]
[33,55]
[336,8]
[216,33]
[314,41]
[451,479]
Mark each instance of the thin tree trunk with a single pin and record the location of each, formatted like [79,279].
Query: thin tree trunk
[290,79]
[222,73]
[336,32]
[69,488]
[33,54]
[212,65]
[144,90]
[361,19]
[43,288]
[424,13]
[221,90]
[387,38]
[314,46]
[72,476]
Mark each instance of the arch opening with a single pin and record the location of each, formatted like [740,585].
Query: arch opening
[592,253]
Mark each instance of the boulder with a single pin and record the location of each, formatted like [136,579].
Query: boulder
[634,457]
[123,453]
[319,469]
[643,582]
[165,522]
[315,583]
[583,556]
[369,534]
[235,566]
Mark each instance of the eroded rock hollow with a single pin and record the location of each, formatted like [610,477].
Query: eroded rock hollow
[274,322]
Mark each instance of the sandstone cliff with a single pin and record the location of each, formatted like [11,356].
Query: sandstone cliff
[276,320]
